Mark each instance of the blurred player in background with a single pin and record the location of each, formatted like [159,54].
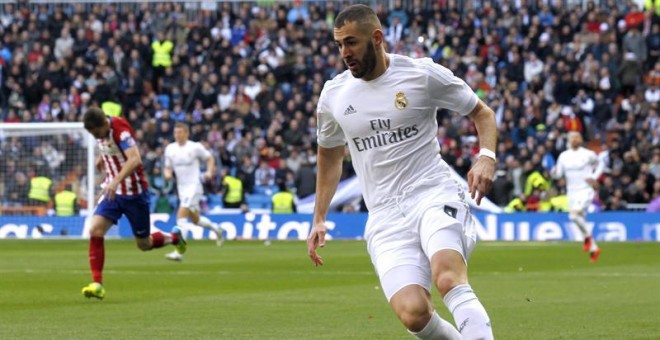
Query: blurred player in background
[182,160]
[420,231]
[124,192]
[581,168]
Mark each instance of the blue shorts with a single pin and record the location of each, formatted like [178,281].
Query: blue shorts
[135,207]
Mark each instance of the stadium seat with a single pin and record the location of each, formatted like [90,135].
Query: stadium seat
[258,201]
[164,100]
[214,200]
[266,189]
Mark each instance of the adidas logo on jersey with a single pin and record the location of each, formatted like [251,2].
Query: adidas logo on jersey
[349,110]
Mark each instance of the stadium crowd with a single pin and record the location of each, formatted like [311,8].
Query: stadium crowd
[246,78]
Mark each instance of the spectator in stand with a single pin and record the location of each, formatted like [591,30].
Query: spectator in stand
[17,190]
[253,67]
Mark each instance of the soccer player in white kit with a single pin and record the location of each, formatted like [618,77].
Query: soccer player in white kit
[420,230]
[581,168]
[182,159]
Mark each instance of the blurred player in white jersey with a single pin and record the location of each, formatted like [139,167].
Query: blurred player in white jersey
[581,168]
[420,232]
[182,159]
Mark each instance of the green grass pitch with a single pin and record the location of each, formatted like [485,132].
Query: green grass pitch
[246,290]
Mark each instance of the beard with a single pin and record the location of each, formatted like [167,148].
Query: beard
[367,64]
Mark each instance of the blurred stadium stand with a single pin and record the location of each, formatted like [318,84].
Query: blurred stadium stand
[246,77]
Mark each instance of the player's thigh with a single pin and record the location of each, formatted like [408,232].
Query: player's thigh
[100,225]
[395,252]
[448,238]
[448,226]
[580,201]
[106,214]
[190,201]
[136,209]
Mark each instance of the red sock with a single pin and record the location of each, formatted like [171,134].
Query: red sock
[157,239]
[96,257]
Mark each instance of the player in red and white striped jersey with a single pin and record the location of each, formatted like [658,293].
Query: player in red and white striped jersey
[124,193]
[111,147]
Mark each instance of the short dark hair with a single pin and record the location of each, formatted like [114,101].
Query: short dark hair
[94,118]
[360,14]
[182,125]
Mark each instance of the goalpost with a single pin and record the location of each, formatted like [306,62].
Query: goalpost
[62,152]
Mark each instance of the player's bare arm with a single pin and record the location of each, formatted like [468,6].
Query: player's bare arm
[329,161]
[480,177]
[210,168]
[133,160]
[99,164]
[168,173]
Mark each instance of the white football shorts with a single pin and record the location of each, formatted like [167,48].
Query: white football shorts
[580,200]
[402,238]
[190,200]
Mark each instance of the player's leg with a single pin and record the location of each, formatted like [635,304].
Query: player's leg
[190,209]
[444,231]
[136,209]
[577,217]
[579,204]
[182,216]
[413,306]
[106,215]
[405,276]
[450,278]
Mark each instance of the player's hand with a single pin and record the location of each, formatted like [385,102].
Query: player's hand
[316,239]
[208,176]
[591,182]
[480,178]
[109,190]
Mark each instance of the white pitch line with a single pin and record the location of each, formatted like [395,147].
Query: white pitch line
[522,243]
[572,274]
[184,272]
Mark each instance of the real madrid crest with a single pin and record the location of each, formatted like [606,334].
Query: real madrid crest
[400,100]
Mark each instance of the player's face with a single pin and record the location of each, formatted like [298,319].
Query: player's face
[100,132]
[180,135]
[575,140]
[356,49]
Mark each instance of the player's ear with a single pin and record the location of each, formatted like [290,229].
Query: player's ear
[377,37]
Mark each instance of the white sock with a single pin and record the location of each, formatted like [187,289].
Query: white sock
[437,328]
[470,316]
[581,222]
[182,222]
[593,246]
[167,237]
[204,222]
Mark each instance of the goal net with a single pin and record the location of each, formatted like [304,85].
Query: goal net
[63,154]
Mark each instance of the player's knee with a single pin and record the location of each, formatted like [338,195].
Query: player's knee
[96,232]
[446,281]
[413,307]
[144,245]
[414,316]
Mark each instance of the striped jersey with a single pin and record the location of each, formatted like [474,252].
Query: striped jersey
[112,149]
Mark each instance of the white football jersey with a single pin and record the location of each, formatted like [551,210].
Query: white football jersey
[389,124]
[577,166]
[184,160]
